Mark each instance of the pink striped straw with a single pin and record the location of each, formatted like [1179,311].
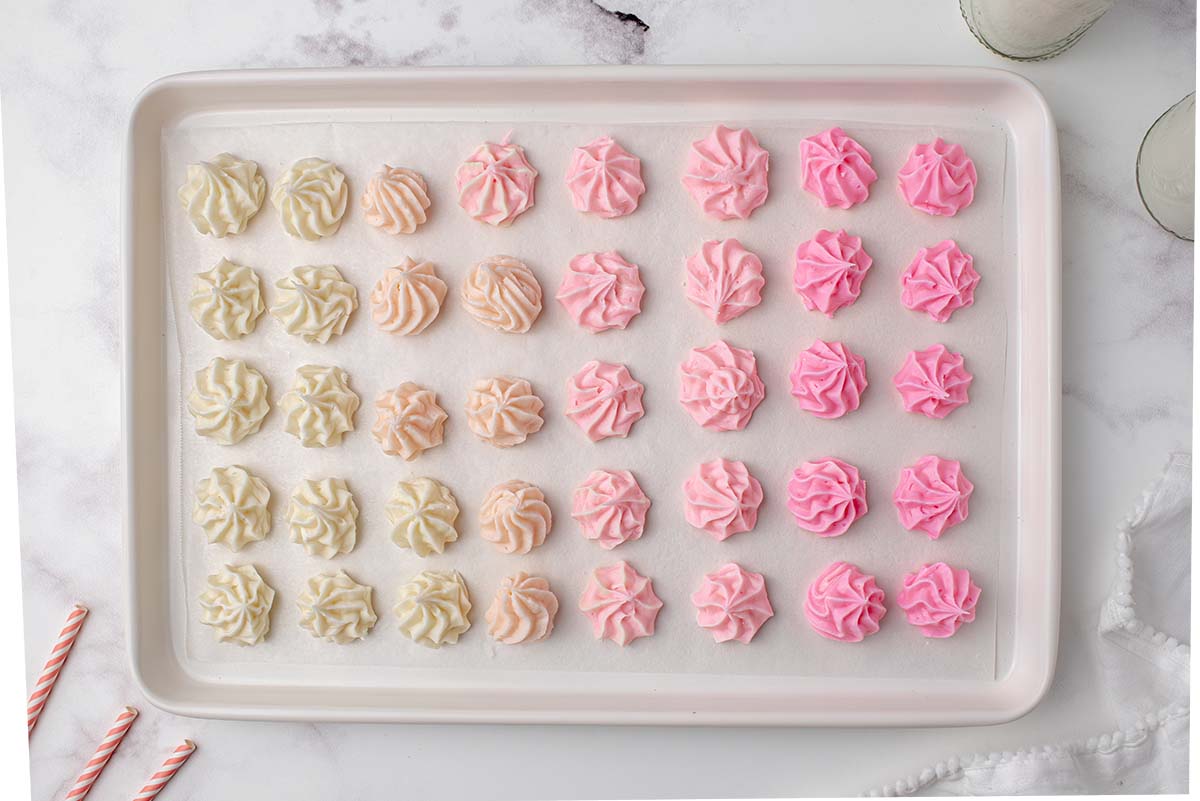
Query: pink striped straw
[103,752]
[58,656]
[159,780]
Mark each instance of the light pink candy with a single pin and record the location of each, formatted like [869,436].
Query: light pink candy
[721,498]
[604,400]
[610,507]
[724,279]
[727,173]
[621,603]
[844,604]
[829,271]
[496,183]
[939,281]
[828,379]
[605,179]
[719,386]
[602,291]
[933,381]
[938,599]
[938,178]
[826,496]
[932,496]
[732,603]
[836,169]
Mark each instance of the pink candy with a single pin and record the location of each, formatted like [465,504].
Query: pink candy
[610,507]
[933,382]
[932,496]
[719,386]
[496,182]
[828,379]
[620,603]
[829,272]
[721,498]
[732,603]
[938,599]
[938,178]
[836,169]
[724,279]
[604,400]
[826,496]
[939,281]
[605,179]
[727,173]
[844,604]
[602,291]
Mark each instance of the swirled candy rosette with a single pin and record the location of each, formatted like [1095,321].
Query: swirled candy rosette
[311,198]
[732,603]
[336,608]
[719,386]
[724,280]
[228,401]
[621,604]
[939,281]
[727,173]
[604,400]
[503,411]
[605,179]
[933,495]
[721,498]
[323,517]
[407,298]
[408,421]
[231,507]
[422,512]
[836,169]
[496,183]
[602,291]
[320,406]
[515,517]
[829,271]
[395,200]
[236,602]
[938,599]
[221,196]
[610,508]
[826,496]
[523,610]
[828,379]
[503,294]
[844,604]
[226,301]
[314,302]
[933,382]
[939,178]
[434,608]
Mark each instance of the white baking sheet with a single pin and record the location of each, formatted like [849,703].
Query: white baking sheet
[880,438]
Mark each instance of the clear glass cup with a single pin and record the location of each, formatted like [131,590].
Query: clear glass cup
[1166,169]
[1031,30]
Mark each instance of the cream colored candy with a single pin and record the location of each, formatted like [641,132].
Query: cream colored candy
[433,608]
[231,507]
[236,602]
[311,198]
[222,195]
[336,608]
[228,401]
[314,303]
[323,517]
[320,406]
[422,513]
[226,301]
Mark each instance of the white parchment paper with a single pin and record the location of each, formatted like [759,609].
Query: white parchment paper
[880,438]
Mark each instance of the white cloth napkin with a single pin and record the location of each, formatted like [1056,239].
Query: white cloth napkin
[1145,669]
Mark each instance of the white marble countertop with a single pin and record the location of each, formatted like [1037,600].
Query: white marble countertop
[68,75]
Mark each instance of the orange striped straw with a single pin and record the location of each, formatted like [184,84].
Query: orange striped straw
[104,751]
[58,656]
[159,780]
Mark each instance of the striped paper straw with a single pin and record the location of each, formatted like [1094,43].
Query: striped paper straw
[58,656]
[103,752]
[159,780]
